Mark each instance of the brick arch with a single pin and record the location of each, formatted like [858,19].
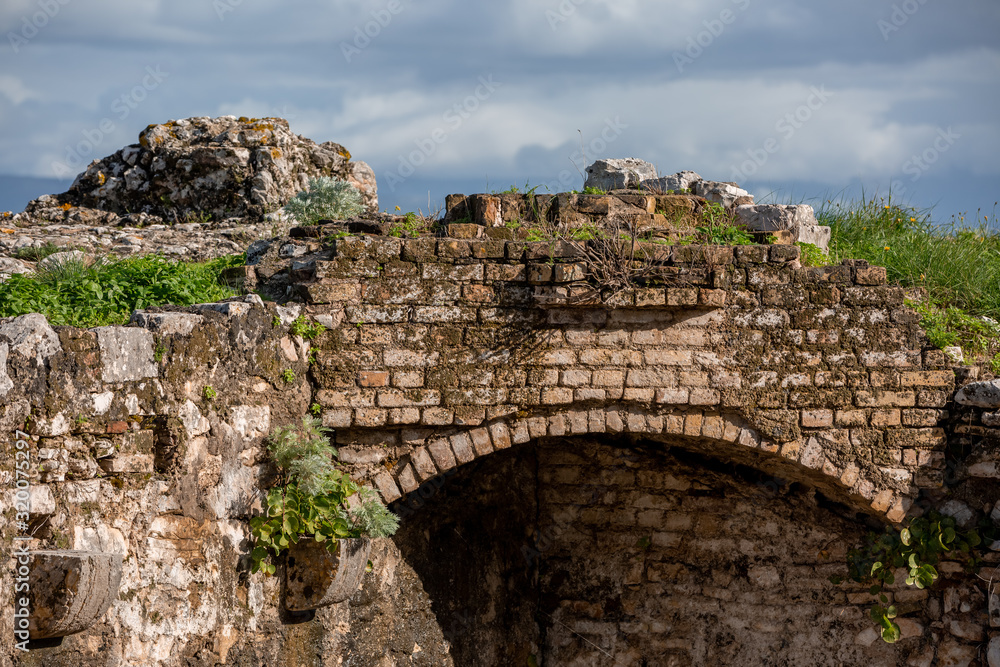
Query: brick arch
[722,435]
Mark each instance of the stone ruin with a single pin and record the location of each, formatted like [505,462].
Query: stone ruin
[664,474]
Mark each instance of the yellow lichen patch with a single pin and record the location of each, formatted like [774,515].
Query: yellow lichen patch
[344,153]
[66,207]
[275,153]
[101,178]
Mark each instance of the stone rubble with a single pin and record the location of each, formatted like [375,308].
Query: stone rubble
[188,169]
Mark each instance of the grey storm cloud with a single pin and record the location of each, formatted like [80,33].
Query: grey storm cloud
[725,87]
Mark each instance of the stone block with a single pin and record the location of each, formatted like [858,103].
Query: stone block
[166,323]
[618,174]
[980,395]
[315,577]
[126,354]
[69,591]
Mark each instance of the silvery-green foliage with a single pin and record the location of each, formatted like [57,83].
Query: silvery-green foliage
[327,198]
[372,516]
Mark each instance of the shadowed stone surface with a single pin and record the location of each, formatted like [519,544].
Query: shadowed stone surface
[70,590]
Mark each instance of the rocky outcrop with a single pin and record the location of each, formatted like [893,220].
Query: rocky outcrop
[197,169]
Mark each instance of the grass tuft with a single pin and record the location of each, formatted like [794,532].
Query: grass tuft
[957,265]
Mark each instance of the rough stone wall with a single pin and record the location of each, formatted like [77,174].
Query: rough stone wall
[440,352]
[490,342]
[628,552]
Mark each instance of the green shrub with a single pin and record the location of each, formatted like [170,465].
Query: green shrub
[326,199]
[311,499]
[108,290]
[917,549]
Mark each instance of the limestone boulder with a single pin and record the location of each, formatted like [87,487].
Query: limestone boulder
[204,168]
[618,174]
[798,219]
[980,394]
[682,180]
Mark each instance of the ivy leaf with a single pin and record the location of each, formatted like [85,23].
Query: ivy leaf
[891,634]
[883,598]
[905,536]
[876,566]
[914,563]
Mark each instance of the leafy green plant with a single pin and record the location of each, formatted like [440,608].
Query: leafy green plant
[312,498]
[107,291]
[812,255]
[305,329]
[209,392]
[159,351]
[315,409]
[326,198]
[590,190]
[411,226]
[288,376]
[918,548]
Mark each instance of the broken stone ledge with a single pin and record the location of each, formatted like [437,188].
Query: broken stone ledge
[70,590]
[315,577]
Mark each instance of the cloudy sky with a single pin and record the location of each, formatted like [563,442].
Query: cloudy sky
[800,101]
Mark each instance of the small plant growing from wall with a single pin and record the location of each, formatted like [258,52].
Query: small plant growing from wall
[314,499]
[917,549]
[326,198]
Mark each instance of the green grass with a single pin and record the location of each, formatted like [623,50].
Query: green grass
[107,291]
[957,264]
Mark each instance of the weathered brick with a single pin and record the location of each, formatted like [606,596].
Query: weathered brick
[407,479]
[394,398]
[682,296]
[879,398]
[851,418]
[443,314]
[402,357]
[588,394]
[672,396]
[870,275]
[651,378]
[704,396]
[452,248]
[668,357]
[423,465]
[923,417]
[885,417]
[817,418]
[377,314]
[608,378]
[404,416]
[386,486]
[338,417]
[928,379]
[436,416]
[711,298]
[461,445]
[557,395]
[370,417]
[453,272]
